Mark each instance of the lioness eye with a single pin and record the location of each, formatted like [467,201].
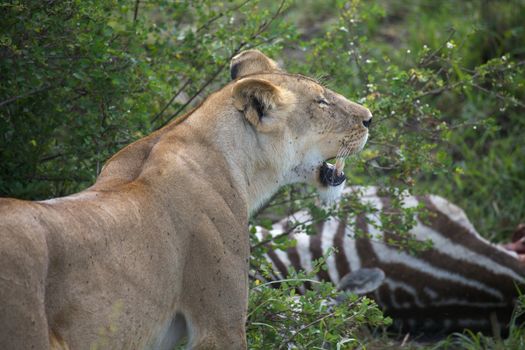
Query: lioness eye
[323,101]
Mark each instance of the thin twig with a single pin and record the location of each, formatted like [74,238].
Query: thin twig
[215,74]
[285,233]
[205,25]
[222,14]
[136,12]
[405,340]
[288,201]
[501,97]
[201,89]
[438,91]
[102,121]
[284,343]
[286,280]
[265,25]
[51,178]
[27,94]
[51,157]
[158,115]
[433,54]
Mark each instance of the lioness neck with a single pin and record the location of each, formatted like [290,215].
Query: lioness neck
[207,145]
[239,158]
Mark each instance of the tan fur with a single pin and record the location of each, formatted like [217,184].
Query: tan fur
[159,245]
[250,62]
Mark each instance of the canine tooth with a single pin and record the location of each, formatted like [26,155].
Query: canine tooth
[339,166]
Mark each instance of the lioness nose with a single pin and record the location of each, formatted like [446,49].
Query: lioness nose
[367,117]
[367,122]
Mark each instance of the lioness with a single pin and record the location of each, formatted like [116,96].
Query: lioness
[158,246]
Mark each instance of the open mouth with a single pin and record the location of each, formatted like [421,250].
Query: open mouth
[330,176]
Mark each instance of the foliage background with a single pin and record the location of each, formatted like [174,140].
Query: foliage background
[444,79]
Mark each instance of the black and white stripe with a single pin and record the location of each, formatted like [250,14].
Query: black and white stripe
[462,282]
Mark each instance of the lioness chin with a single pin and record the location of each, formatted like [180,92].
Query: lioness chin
[158,246]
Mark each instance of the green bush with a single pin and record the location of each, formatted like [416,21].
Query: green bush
[81,79]
[280,318]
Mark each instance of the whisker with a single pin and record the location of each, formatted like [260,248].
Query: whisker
[345,152]
[323,79]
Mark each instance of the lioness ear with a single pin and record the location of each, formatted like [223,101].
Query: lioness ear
[251,62]
[256,98]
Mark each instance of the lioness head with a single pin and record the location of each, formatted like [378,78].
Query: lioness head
[297,121]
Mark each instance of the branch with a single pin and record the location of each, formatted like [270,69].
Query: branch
[158,115]
[284,343]
[286,280]
[427,59]
[51,157]
[52,178]
[204,86]
[437,91]
[136,12]
[201,89]
[222,14]
[27,94]
[205,25]
[285,233]
[501,97]
[215,74]
[288,201]
[265,25]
